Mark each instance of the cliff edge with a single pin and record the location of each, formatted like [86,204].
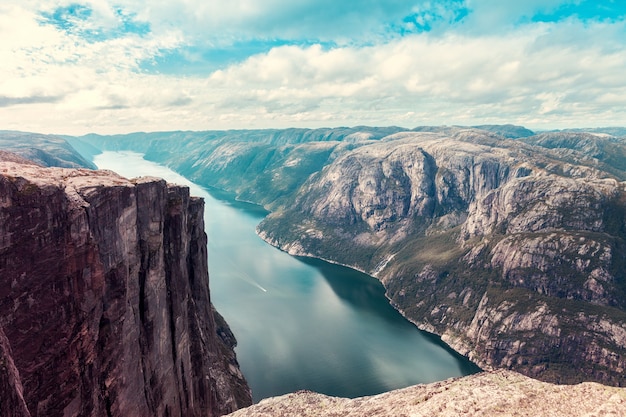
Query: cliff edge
[498,393]
[104,299]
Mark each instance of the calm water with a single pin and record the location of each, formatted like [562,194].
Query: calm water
[302,323]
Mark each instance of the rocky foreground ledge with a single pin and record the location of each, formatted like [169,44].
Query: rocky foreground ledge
[497,393]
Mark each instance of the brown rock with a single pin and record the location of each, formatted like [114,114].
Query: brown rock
[104,298]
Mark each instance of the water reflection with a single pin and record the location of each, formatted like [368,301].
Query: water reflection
[358,289]
[368,295]
[303,323]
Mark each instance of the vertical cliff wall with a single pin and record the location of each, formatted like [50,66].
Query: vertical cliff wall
[104,299]
[513,254]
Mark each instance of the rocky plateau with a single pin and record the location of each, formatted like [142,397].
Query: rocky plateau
[498,393]
[104,299]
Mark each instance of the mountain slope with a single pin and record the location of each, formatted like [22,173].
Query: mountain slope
[513,250]
[46,150]
[514,257]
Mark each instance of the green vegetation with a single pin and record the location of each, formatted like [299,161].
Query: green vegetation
[427,272]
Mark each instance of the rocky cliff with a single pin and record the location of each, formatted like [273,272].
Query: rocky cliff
[514,253]
[104,299]
[501,393]
[510,245]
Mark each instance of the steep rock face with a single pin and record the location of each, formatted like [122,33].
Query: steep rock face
[501,393]
[405,176]
[534,204]
[12,396]
[388,185]
[599,150]
[477,238]
[104,299]
[512,253]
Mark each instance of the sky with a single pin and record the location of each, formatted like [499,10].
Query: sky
[118,66]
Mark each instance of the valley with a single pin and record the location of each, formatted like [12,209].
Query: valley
[510,248]
[508,244]
[302,323]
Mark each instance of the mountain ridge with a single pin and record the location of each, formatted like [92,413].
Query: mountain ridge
[460,225]
[425,210]
[406,215]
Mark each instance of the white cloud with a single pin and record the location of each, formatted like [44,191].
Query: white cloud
[223,22]
[540,75]
[422,73]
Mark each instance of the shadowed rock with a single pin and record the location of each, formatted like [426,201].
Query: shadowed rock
[104,299]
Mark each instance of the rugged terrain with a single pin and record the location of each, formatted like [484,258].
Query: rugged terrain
[513,253]
[45,150]
[509,244]
[104,299]
[499,393]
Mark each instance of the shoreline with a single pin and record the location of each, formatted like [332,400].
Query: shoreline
[443,339]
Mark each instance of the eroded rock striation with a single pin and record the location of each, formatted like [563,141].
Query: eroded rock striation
[104,299]
[512,252]
[510,245]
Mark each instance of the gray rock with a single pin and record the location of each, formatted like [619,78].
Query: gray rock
[501,393]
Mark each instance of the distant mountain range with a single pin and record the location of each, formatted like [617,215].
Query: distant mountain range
[46,150]
[509,244]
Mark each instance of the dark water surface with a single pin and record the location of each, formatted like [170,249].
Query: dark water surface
[303,323]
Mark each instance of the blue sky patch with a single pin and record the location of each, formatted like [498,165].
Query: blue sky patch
[585,11]
[68,18]
[203,60]
[79,20]
[427,19]
[128,24]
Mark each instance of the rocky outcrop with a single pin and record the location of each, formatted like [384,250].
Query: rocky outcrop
[104,299]
[513,254]
[514,251]
[501,393]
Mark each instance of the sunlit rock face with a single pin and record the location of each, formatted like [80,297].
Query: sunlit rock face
[512,252]
[500,393]
[104,299]
[510,245]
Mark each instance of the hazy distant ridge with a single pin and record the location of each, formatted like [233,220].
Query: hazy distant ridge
[511,249]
